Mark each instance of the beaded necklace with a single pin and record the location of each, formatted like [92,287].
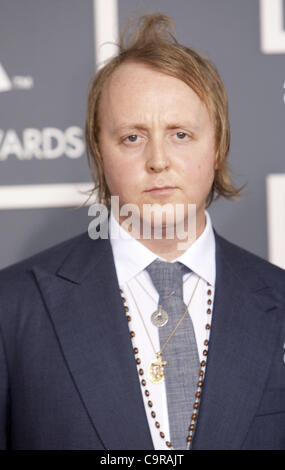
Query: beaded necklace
[201,377]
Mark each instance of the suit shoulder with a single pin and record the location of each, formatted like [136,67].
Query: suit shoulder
[50,258]
[247,262]
[20,292]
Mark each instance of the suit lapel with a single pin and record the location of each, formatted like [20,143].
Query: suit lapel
[86,309]
[243,337]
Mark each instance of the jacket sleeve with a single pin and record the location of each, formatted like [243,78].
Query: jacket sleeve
[4,397]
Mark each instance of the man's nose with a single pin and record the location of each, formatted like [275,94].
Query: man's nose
[157,158]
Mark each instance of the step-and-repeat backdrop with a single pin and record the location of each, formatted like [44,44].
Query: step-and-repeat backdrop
[48,53]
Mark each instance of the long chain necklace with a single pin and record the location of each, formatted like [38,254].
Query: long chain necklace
[156,368]
[201,377]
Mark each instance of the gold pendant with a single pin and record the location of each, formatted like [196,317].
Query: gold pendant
[156,369]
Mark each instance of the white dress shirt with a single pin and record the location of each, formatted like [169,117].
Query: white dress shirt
[131,258]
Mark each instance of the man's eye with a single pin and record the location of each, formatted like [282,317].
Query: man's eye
[132,138]
[181,135]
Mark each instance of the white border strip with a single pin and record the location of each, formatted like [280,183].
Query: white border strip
[275,188]
[106,30]
[44,195]
[272,34]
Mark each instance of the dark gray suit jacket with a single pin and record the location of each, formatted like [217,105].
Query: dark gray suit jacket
[68,378]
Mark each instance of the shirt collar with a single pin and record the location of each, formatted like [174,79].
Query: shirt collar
[200,257]
[131,257]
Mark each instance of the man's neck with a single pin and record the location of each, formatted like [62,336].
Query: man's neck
[170,249]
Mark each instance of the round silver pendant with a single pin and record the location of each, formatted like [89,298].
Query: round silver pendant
[159,317]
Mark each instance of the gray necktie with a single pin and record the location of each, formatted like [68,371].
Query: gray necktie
[181,353]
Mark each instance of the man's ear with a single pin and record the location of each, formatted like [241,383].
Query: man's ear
[217,163]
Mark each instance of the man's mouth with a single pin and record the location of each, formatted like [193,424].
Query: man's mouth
[161,189]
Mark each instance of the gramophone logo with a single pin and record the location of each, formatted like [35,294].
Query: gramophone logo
[5,82]
[19,82]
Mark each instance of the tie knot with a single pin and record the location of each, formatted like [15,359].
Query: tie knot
[167,277]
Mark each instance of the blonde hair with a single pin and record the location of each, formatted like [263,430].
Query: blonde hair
[151,41]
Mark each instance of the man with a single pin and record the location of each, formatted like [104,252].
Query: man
[147,342]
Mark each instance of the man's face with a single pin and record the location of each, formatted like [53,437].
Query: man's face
[156,140]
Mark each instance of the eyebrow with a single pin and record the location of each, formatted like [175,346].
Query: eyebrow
[169,126]
[129,126]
